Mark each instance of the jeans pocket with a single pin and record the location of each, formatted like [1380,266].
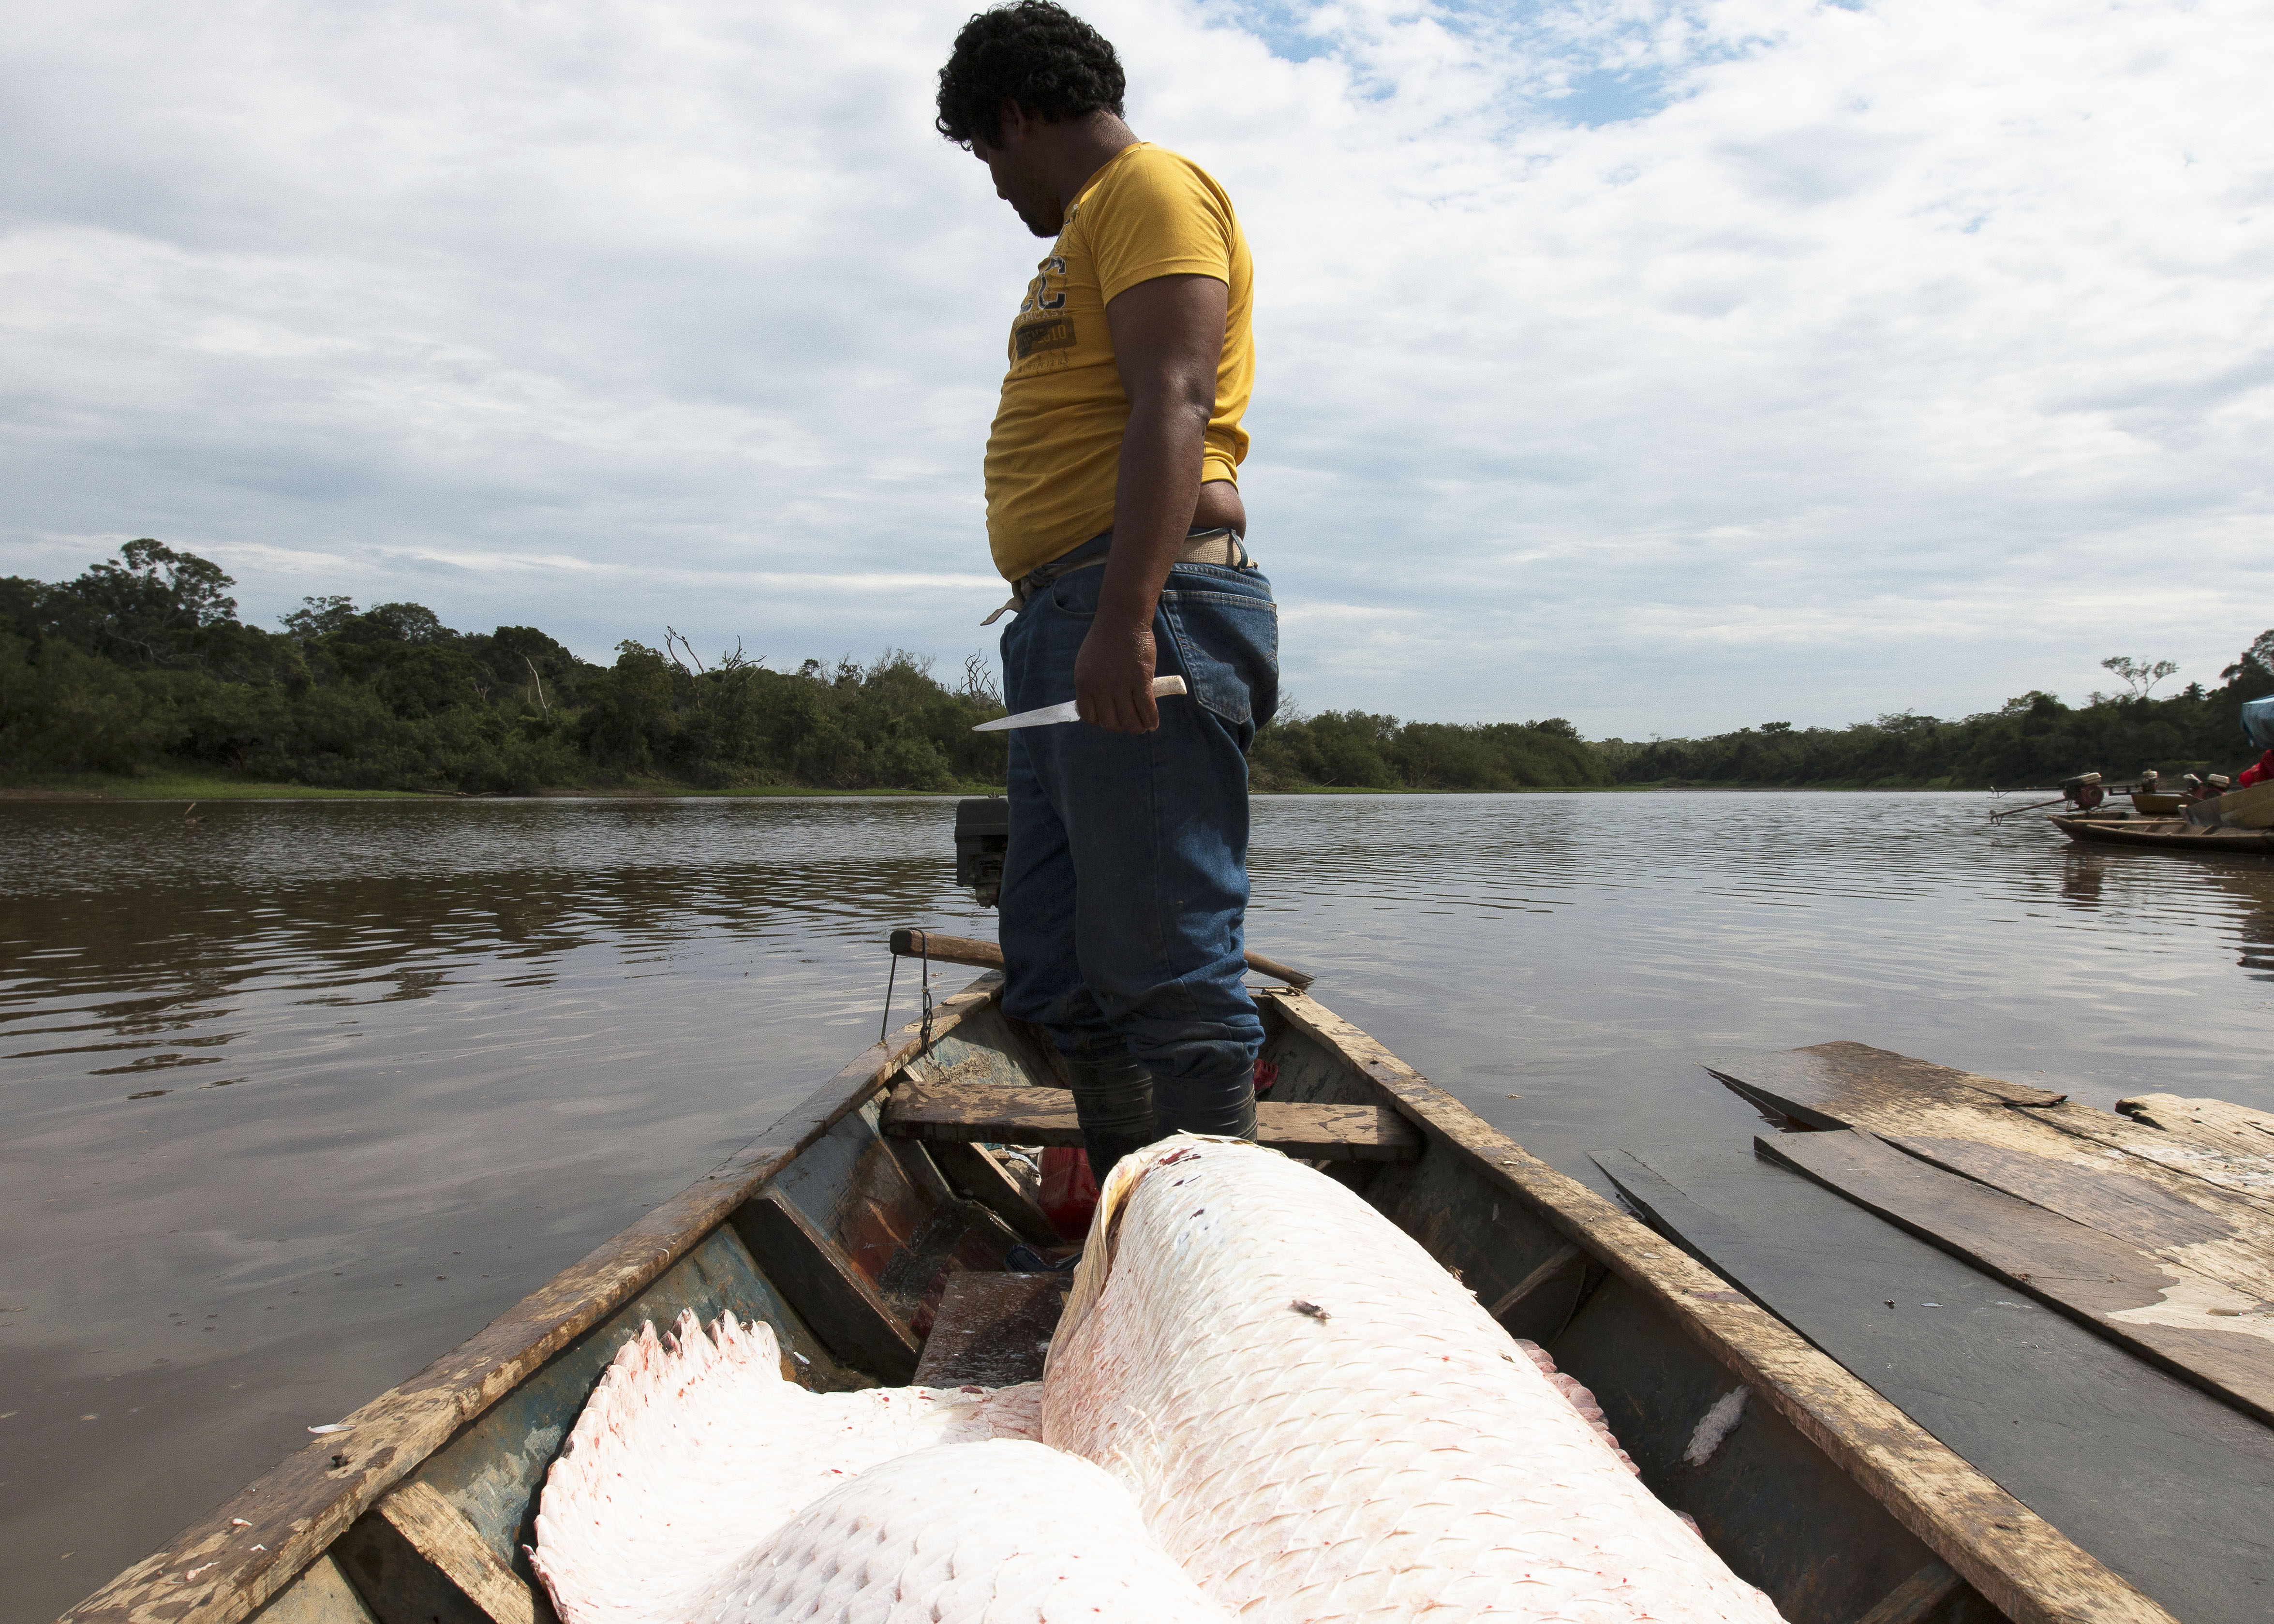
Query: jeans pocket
[1228,642]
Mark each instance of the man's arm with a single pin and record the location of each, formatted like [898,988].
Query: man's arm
[1168,337]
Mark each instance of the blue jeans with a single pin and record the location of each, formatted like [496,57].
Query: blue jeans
[1125,887]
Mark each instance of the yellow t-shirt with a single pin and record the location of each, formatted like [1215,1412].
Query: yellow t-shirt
[1055,450]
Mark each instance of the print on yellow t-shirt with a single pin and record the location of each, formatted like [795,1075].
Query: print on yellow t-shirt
[1055,450]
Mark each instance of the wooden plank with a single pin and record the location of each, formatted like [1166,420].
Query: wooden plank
[992,1330]
[817,1280]
[1538,1306]
[1838,1085]
[315,1495]
[2021,1564]
[2249,1175]
[1022,1114]
[2228,1144]
[2103,1198]
[2249,808]
[2221,1122]
[1849,1085]
[1557,1262]
[321,1595]
[1995,1374]
[398,1584]
[2154,1309]
[434,1529]
[972,1170]
[1918,1599]
[989,955]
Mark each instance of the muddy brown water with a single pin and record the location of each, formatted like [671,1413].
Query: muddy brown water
[296,1096]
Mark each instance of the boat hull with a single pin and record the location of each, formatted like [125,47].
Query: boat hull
[2170,834]
[840,1235]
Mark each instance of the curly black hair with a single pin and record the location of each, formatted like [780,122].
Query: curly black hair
[1040,56]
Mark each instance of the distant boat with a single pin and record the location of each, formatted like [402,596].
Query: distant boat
[2171,834]
[857,1224]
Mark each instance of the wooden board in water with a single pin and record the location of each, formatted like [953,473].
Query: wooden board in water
[2165,1483]
[2155,1309]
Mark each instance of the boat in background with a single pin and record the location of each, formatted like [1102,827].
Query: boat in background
[2241,821]
[866,1224]
[2170,834]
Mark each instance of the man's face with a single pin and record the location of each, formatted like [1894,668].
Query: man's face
[1018,180]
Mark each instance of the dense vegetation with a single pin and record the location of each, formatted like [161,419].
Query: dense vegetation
[142,663]
[1349,749]
[2031,740]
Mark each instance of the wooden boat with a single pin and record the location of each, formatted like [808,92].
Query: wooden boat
[859,1222]
[2171,834]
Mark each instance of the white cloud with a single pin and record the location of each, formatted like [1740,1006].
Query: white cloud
[1666,366]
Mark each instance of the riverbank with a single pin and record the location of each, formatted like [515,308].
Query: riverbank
[163,786]
[201,786]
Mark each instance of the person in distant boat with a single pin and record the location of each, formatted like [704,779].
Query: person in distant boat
[1113,509]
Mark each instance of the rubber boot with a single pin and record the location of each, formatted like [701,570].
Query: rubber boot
[1222,1105]
[1113,1100]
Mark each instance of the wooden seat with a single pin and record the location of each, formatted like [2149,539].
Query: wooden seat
[1017,1114]
[991,1330]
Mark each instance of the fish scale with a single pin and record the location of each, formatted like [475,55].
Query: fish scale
[1002,1532]
[695,1448]
[1399,1455]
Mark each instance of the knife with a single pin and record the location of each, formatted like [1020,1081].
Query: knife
[1162,686]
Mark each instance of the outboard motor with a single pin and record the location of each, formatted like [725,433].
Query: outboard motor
[2083,790]
[982,834]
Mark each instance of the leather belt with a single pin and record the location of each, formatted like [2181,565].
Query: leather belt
[1221,547]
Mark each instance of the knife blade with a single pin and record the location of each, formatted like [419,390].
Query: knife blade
[1162,686]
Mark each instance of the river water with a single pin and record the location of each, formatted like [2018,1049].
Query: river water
[295,1096]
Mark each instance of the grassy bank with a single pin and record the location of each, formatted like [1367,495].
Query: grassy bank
[185,787]
[138,681]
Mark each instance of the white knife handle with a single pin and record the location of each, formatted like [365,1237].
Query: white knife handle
[1164,687]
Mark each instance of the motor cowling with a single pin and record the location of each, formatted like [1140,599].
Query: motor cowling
[983,835]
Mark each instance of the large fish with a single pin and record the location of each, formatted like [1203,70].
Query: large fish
[1320,1424]
[1282,1407]
[692,1452]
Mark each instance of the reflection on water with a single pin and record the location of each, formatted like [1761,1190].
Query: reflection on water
[296,1095]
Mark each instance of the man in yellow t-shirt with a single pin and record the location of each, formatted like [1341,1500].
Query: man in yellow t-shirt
[1113,507]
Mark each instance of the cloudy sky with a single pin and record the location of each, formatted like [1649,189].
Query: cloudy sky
[1667,366]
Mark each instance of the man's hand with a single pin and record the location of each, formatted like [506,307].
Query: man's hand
[1168,334]
[1113,676]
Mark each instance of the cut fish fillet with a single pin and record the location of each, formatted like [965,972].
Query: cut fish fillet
[1006,1532]
[691,1452]
[1319,1423]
